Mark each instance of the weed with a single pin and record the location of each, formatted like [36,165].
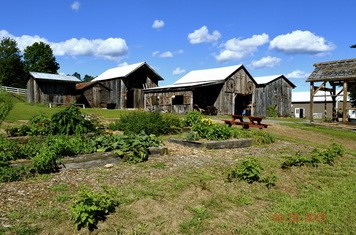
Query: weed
[249,171]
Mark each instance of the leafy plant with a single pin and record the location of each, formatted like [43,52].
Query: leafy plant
[70,121]
[6,104]
[193,117]
[272,111]
[91,207]
[46,161]
[269,180]
[249,171]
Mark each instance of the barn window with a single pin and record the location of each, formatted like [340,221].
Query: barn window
[177,100]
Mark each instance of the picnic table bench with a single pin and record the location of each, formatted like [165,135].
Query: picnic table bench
[239,120]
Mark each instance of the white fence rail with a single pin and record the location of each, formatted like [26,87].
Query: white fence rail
[14,90]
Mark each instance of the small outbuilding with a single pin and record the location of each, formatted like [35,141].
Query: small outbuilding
[126,84]
[93,95]
[49,88]
[273,92]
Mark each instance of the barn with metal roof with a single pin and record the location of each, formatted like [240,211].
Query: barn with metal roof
[127,83]
[51,88]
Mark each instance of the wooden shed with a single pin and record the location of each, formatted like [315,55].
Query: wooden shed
[338,73]
[229,89]
[127,83]
[51,88]
[93,95]
[273,91]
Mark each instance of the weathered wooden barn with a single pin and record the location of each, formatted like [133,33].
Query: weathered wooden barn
[127,83]
[338,73]
[51,88]
[229,89]
[273,91]
[93,95]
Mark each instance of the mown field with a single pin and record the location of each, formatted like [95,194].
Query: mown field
[188,190]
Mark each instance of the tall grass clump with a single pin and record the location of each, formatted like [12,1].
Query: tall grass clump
[149,122]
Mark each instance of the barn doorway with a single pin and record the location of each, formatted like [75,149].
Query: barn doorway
[242,104]
[130,99]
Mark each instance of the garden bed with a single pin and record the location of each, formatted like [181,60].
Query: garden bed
[220,144]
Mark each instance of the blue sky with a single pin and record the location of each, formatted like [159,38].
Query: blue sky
[175,37]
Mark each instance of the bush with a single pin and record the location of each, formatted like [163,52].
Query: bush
[249,171]
[46,161]
[6,105]
[149,122]
[192,118]
[71,121]
[91,207]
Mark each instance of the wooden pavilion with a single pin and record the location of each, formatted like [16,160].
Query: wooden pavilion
[339,73]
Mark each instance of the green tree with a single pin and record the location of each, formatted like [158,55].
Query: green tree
[87,78]
[11,66]
[39,58]
[77,75]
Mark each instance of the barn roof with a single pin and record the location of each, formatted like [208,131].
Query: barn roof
[338,70]
[208,75]
[123,71]
[264,80]
[54,77]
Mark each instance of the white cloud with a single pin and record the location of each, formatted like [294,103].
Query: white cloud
[202,35]
[236,49]
[178,71]
[301,42]
[111,48]
[265,62]
[166,54]
[157,24]
[75,6]
[298,74]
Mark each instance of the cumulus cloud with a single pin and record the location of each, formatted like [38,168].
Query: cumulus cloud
[298,74]
[157,24]
[301,42]
[202,35]
[111,48]
[265,62]
[178,71]
[166,54]
[75,6]
[236,48]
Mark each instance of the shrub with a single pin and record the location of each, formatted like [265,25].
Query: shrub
[269,180]
[91,207]
[272,111]
[70,121]
[149,122]
[46,161]
[218,132]
[6,104]
[192,117]
[249,171]
[10,174]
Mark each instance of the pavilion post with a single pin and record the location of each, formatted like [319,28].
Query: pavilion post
[344,103]
[311,107]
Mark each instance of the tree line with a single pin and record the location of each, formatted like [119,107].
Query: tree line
[15,67]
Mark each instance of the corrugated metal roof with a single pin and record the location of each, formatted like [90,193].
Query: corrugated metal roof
[54,77]
[122,71]
[304,96]
[207,75]
[174,86]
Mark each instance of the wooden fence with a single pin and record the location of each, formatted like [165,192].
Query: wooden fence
[14,90]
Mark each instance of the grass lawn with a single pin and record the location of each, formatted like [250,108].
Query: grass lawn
[187,191]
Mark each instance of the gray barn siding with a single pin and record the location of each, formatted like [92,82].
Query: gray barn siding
[50,92]
[277,93]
